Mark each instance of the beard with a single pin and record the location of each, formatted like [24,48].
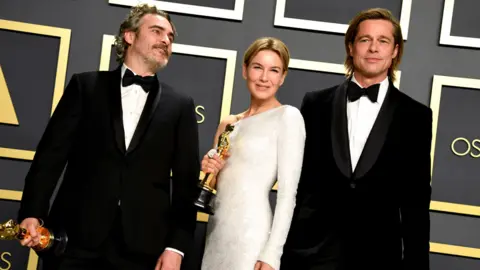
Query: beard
[156,65]
[153,61]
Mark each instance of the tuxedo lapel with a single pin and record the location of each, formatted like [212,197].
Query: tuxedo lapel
[147,114]
[115,104]
[339,130]
[378,134]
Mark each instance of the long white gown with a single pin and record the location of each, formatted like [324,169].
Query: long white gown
[264,148]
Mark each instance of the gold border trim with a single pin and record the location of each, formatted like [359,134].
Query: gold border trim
[64,35]
[12,195]
[16,153]
[447,207]
[435,99]
[455,250]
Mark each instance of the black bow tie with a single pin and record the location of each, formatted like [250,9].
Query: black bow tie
[354,92]
[148,83]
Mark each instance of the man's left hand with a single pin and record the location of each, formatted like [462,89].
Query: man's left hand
[169,260]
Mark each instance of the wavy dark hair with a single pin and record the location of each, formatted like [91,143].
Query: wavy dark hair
[132,23]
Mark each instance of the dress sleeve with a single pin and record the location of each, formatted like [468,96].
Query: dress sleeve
[291,142]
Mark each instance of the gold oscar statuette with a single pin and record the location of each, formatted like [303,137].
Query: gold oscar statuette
[49,241]
[207,192]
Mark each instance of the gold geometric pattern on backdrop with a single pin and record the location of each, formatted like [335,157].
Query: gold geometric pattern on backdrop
[7,112]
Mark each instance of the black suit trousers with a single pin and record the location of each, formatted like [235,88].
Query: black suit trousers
[111,255]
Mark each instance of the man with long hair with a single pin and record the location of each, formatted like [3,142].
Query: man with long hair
[364,193]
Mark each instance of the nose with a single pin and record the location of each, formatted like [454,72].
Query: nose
[165,39]
[373,46]
[263,77]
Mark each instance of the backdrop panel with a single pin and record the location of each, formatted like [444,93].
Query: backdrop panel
[36,57]
[299,82]
[340,11]
[20,53]
[468,236]
[465,19]
[457,147]
[225,4]
[439,261]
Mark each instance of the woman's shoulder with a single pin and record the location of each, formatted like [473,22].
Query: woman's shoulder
[291,112]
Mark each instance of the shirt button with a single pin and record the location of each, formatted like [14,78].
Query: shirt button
[352,185]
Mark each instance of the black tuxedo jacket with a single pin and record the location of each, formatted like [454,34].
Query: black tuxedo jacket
[86,133]
[377,216]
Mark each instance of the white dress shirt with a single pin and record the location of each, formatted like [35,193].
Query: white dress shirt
[133,102]
[361,115]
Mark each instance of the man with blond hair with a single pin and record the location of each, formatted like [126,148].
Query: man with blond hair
[121,134]
[364,193]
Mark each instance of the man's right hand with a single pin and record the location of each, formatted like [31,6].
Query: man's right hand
[33,238]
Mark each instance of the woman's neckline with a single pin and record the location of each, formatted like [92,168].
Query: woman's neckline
[239,117]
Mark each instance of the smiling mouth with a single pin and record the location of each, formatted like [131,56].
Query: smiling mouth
[373,60]
[261,87]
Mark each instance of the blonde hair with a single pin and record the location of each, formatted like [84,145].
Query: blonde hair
[374,14]
[132,23]
[268,43]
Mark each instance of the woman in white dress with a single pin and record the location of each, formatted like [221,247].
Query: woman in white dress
[266,146]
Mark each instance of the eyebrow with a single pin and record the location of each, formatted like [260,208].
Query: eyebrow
[256,63]
[170,34]
[369,36]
